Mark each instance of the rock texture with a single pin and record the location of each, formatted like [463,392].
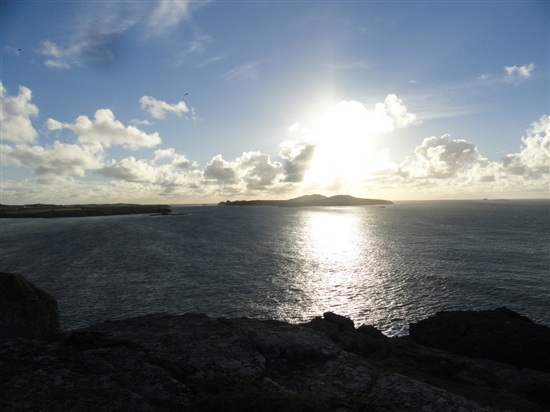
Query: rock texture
[193,362]
[26,310]
[499,334]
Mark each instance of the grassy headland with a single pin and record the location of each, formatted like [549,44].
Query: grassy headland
[51,210]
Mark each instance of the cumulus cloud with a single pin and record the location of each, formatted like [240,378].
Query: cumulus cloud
[392,114]
[252,171]
[16,112]
[297,158]
[158,109]
[534,158]
[441,158]
[259,171]
[297,128]
[220,170]
[179,161]
[58,159]
[130,170]
[105,131]
[516,74]
[443,165]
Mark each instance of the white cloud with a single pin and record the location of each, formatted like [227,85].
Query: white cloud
[297,159]
[105,131]
[158,109]
[169,13]
[439,166]
[179,161]
[56,58]
[445,167]
[534,158]
[297,128]
[441,158]
[393,114]
[58,159]
[259,171]
[516,74]
[221,171]
[130,170]
[252,171]
[16,112]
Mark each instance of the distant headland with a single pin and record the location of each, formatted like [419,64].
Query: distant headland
[50,210]
[310,200]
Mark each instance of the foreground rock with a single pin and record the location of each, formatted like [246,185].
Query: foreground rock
[500,334]
[196,363]
[25,310]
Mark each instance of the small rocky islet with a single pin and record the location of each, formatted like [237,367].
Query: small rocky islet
[491,360]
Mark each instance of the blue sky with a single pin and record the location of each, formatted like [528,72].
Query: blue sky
[202,101]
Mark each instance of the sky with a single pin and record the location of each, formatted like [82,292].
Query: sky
[184,102]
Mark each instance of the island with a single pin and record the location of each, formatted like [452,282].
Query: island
[40,210]
[310,200]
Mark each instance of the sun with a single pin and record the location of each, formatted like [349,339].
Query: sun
[342,137]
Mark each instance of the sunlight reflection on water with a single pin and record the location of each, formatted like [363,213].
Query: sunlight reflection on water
[337,262]
[385,267]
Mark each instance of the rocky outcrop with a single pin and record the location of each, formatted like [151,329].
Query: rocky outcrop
[500,334]
[193,362]
[26,310]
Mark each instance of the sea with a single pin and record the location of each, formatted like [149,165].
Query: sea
[382,266]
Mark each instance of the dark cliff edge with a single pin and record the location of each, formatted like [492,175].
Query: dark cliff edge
[310,200]
[193,362]
[52,211]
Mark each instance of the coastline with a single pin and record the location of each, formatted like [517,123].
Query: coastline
[162,362]
[53,211]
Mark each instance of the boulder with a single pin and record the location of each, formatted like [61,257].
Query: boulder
[26,311]
[342,322]
[501,334]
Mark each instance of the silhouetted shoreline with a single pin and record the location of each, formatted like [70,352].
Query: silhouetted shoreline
[51,210]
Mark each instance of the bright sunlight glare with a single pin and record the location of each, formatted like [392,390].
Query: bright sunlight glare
[343,137]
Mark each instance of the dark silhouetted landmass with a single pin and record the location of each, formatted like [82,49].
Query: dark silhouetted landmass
[310,200]
[50,210]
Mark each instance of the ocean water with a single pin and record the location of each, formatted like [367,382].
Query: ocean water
[380,266]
